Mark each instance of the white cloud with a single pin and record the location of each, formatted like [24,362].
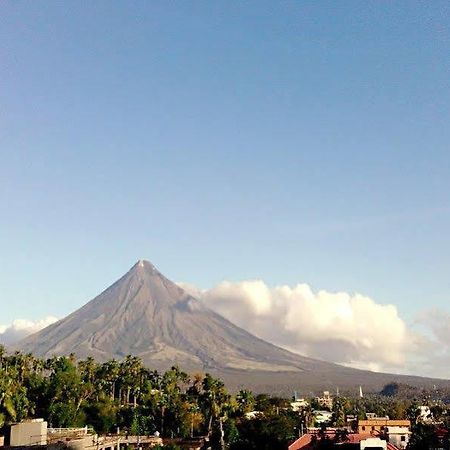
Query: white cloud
[20,328]
[435,342]
[350,329]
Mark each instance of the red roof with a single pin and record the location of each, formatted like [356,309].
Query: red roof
[352,438]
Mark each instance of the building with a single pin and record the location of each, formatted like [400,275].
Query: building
[351,421]
[28,432]
[371,416]
[379,425]
[298,404]
[251,415]
[321,417]
[373,444]
[36,433]
[326,400]
[398,436]
[353,441]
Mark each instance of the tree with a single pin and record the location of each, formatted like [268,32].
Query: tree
[339,412]
[245,401]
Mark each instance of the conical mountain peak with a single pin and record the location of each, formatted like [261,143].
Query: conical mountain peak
[144,264]
[145,270]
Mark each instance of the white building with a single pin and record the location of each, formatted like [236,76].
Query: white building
[373,444]
[28,432]
[398,436]
[298,404]
[326,401]
[322,416]
[251,415]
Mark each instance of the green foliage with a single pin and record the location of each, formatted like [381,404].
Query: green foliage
[266,433]
[126,395]
[231,432]
[102,415]
[115,394]
[427,436]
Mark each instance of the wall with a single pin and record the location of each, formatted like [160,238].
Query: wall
[29,433]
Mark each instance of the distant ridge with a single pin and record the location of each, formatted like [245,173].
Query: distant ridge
[146,314]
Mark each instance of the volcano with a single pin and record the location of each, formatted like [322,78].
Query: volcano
[147,315]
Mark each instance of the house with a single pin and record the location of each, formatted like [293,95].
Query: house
[251,415]
[371,416]
[322,416]
[326,400]
[35,433]
[379,425]
[373,444]
[398,436]
[27,433]
[298,404]
[352,441]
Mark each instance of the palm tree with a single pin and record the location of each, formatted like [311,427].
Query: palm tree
[245,400]
[88,369]
[2,355]
[108,374]
[216,402]
[129,378]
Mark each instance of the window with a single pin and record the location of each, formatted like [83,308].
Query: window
[403,438]
[363,428]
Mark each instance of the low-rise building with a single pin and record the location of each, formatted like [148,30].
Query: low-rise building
[299,404]
[326,400]
[379,425]
[372,444]
[28,432]
[371,416]
[398,436]
[321,417]
[251,415]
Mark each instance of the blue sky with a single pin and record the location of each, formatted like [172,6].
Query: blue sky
[283,141]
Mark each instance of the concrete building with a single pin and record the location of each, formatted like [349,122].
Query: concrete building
[379,425]
[398,436]
[36,433]
[371,416]
[251,415]
[326,400]
[298,404]
[28,432]
[373,444]
[321,417]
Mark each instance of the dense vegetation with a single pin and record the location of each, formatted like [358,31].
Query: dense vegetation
[127,396]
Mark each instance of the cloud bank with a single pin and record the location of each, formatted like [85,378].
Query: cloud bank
[21,328]
[350,329]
